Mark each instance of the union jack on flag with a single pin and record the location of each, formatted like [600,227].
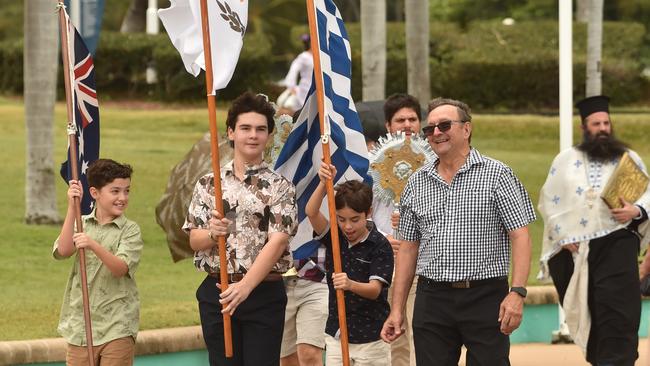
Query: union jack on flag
[86,112]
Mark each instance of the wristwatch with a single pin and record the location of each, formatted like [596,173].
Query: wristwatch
[521,291]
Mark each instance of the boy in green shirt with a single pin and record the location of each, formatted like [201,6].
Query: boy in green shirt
[113,245]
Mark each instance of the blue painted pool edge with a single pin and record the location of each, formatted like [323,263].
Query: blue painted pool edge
[187,358]
[538,323]
[540,320]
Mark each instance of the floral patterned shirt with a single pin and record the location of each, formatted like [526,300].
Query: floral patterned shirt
[261,204]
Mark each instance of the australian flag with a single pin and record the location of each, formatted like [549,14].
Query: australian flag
[301,155]
[86,112]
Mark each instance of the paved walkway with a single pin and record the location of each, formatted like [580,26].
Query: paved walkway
[541,354]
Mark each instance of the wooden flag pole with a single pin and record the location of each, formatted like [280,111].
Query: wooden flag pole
[216,169]
[72,141]
[334,233]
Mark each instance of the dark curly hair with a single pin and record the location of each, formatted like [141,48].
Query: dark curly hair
[103,171]
[353,194]
[249,102]
[398,101]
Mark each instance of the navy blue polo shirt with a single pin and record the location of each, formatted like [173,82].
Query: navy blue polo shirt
[364,261]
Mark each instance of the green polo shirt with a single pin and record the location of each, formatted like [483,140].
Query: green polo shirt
[114,303]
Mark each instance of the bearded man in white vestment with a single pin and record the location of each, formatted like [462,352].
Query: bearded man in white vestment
[590,250]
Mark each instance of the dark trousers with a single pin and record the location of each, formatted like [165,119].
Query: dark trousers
[444,319]
[560,267]
[257,325]
[614,297]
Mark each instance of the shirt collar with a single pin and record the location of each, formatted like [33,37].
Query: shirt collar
[252,169]
[118,221]
[474,157]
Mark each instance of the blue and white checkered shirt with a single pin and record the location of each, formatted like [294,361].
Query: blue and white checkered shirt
[462,227]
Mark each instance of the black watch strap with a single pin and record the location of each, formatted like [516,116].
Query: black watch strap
[521,291]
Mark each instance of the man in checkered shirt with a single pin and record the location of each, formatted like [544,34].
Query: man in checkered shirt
[458,216]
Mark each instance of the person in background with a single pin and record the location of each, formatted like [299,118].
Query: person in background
[582,232]
[401,114]
[298,80]
[303,339]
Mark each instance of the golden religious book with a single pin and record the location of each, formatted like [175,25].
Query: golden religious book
[627,181]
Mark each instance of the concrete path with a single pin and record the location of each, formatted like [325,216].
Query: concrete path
[540,354]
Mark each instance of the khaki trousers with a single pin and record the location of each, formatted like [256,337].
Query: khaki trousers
[402,350]
[375,353]
[118,352]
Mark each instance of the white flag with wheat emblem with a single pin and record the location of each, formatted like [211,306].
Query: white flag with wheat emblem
[227,21]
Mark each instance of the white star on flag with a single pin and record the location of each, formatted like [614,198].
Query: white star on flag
[81,144]
[84,167]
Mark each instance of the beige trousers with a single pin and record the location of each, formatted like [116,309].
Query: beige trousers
[402,350]
[118,352]
[375,353]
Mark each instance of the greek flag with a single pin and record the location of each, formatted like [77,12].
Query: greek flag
[302,153]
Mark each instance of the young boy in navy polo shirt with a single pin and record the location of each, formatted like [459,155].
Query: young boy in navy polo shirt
[367,260]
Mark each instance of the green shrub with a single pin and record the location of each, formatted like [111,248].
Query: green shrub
[490,65]
[122,59]
[517,66]
[486,64]
[175,83]
[11,62]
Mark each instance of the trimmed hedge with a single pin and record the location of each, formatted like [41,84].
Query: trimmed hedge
[122,59]
[488,65]
[174,83]
[11,62]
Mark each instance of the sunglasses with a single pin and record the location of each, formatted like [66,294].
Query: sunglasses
[443,126]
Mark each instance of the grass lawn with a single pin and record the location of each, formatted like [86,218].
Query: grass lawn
[153,140]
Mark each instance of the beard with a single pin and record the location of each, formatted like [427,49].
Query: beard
[602,147]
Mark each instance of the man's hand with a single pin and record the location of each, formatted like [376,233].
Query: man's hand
[393,327]
[341,281]
[644,267]
[626,213]
[81,240]
[572,247]
[510,313]
[394,243]
[394,219]
[234,295]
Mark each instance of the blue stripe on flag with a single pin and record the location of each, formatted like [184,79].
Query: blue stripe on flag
[331,8]
[301,155]
[338,56]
